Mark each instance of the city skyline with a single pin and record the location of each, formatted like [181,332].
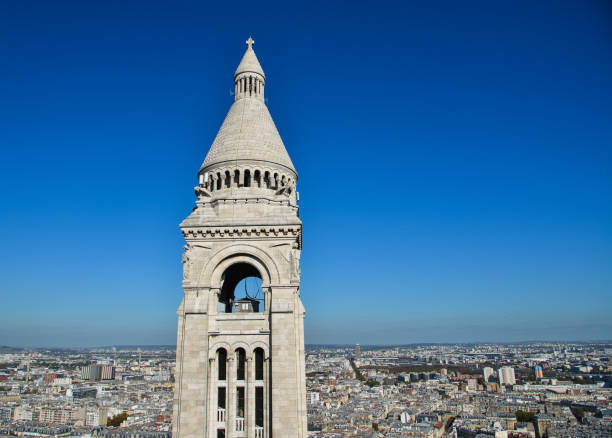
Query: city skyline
[454,167]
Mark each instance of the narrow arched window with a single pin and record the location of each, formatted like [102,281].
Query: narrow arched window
[240,363]
[222,361]
[228,179]
[237,177]
[267,179]
[218,181]
[259,364]
[257,177]
[247,178]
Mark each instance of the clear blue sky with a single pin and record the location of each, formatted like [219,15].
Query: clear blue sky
[455,163]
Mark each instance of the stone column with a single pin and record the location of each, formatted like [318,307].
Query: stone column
[267,397]
[250,396]
[230,409]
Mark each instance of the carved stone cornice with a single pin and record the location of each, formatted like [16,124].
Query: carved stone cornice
[241,231]
[215,200]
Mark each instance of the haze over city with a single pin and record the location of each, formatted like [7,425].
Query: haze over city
[454,161]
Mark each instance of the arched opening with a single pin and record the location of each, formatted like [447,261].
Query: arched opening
[259,364]
[222,360]
[257,177]
[241,290]
[240,389]
[237,177]
[240,363]
[247,178]
[228,179]
[259,388]
[267,179]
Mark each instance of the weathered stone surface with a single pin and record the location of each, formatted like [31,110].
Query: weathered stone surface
[245,224]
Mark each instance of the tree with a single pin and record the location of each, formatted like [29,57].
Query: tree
[524,417]
[117,419]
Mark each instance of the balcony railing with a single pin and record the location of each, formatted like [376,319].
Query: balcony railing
[239,424]
[259,432]
[221,415]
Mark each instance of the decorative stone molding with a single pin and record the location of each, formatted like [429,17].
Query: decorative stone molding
[215,201]
[232,232]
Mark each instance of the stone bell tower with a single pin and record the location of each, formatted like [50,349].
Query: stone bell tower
[240,359]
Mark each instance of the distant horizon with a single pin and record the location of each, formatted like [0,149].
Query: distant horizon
[173,346]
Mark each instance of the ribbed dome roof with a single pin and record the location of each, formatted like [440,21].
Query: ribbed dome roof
[248,133]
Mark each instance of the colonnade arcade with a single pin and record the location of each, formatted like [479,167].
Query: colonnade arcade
[238,382]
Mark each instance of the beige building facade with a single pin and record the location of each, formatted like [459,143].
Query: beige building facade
[240,355]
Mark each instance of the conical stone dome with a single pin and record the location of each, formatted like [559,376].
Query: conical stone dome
[248,132]
[249,62]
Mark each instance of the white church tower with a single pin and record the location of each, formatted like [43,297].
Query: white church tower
[240,353]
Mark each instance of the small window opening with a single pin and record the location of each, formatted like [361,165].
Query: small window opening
[222,359]
[259,402]
[247,178]
[267,179]
[221,396]
[259,364]
[241,362]
[240,402]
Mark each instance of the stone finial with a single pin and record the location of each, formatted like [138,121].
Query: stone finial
[250,42]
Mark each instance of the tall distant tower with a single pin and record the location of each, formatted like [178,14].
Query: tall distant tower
[240,354]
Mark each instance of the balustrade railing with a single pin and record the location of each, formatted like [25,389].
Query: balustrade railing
[221,415]
[239,424]
[259,432]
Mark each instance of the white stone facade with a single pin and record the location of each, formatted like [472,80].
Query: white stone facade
[242,373]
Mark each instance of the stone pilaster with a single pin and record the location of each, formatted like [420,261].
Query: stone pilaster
[250,396]
[268,421]
[231,395]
